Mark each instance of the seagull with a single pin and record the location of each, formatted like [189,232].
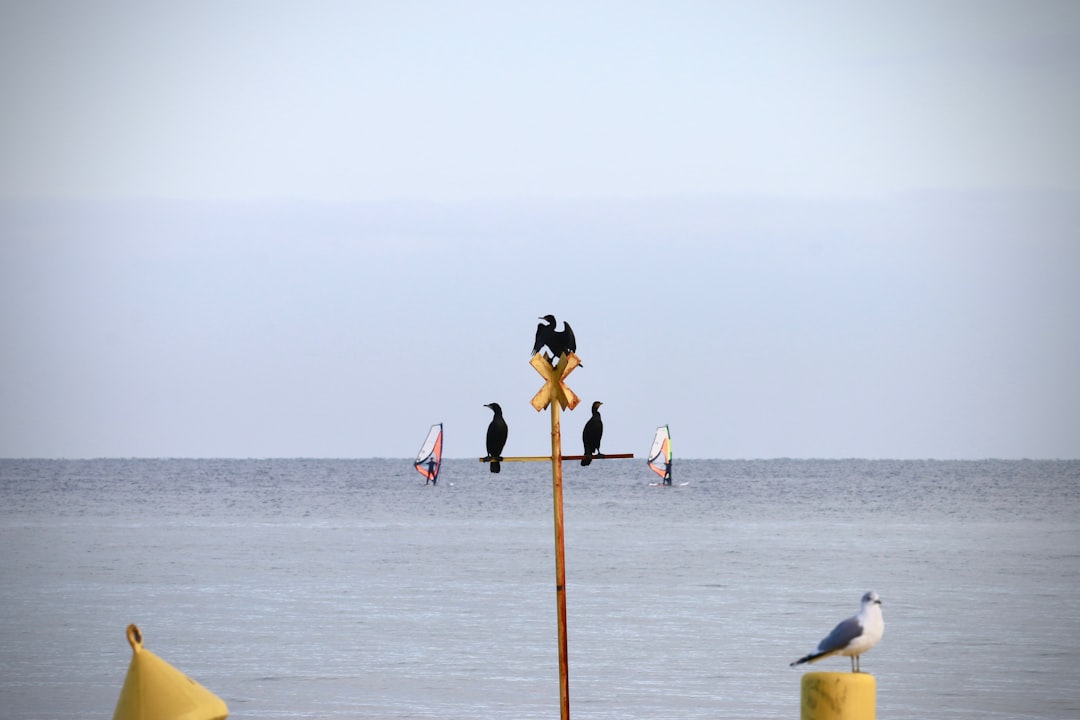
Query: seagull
[496,437]
[591,434]
[853,636]
[557,341]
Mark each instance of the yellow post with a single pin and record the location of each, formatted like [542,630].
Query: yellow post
[556,394]
[155,690]
[838,696]
[560,562]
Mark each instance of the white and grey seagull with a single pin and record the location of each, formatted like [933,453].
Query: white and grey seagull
[853,636]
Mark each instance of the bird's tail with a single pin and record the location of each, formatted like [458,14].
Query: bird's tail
[587,459]
[495,466]
[808,658]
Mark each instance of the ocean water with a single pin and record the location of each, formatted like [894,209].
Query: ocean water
[349,589]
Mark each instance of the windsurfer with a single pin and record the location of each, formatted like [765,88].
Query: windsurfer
[429,459]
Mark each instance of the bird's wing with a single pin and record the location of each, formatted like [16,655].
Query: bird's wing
[571,342]
[539,342]
[841,636]
[496,437]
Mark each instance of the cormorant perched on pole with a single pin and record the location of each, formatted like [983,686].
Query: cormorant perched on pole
[557,341]
[590,436]
[496,437]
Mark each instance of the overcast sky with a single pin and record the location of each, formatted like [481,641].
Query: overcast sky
[313,229]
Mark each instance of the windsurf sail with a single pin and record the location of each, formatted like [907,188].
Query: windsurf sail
[429,459]
[660,454]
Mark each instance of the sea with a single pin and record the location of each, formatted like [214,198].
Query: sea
[314,588]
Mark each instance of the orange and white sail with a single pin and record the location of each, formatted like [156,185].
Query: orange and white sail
[660,453]
[429,459]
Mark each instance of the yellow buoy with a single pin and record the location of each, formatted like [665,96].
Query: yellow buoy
[155,690]
[838,696]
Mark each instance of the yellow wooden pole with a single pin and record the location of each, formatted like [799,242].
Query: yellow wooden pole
[556,395]
[560,562]
[838,696]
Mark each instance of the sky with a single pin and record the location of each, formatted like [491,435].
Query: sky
[272,229]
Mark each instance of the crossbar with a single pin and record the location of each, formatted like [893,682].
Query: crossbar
[547,458]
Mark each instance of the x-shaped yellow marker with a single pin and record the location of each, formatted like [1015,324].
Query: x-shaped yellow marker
[556,385]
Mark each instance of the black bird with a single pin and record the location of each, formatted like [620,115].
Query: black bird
[590,436]
[496,437]
[557,341]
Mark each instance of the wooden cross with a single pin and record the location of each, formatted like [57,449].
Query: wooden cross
[555,387]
